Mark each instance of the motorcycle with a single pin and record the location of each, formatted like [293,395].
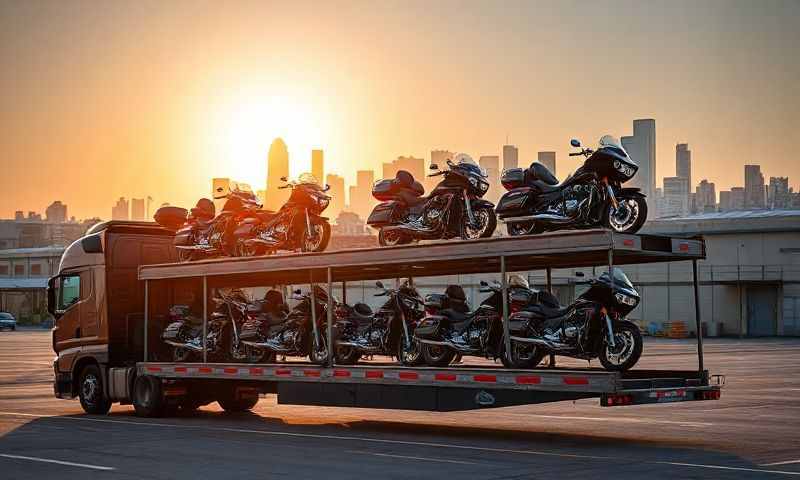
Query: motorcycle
[593,326]
[453,209]
[290,333]
[450,329]
[297,224]
[201,233]
[184,333]
[389,331]
[592,197]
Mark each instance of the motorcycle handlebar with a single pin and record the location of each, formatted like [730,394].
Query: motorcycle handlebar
[437,174]
[576,154]
[284,186]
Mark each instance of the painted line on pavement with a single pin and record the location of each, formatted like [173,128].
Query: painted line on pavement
[407,457]
[392,442]
[58,462]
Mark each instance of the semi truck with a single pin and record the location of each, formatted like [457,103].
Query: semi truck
[114,288]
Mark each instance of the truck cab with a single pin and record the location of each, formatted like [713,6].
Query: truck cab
[97,302]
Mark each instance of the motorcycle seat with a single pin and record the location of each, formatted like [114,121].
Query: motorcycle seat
[550,312]
[538,171]
[361,313]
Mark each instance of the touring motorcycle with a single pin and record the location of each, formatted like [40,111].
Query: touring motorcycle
[453,209]
[297,225]
[592,197]
[359,331]
[593,326]
[450,328]
[184,333]
[273,327]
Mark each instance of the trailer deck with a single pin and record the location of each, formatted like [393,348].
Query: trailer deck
[464,387]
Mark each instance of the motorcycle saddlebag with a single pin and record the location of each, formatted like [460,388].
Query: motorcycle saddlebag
[513,178]
[518,322]
[173,331]
[382,214]
[250,330]
[384,190]
[513,202]
[183,237]
[429,327]
[170,217]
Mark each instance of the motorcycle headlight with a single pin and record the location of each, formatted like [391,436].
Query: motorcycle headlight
[626,299]
[483,186]
[473,181]
[322,202]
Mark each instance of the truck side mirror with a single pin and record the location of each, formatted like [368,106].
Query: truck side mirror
[51,296]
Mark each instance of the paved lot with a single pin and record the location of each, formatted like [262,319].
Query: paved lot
[753,432]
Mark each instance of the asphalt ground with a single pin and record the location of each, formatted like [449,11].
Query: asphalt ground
[752,432]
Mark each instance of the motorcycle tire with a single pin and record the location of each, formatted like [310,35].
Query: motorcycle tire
[623,331]
[392,240]
[347,355]
[437,356]
[488,230]
[316,355]
[638,222]
[407,358]
[521,363]
[518,229]
[181,354]
[323,241]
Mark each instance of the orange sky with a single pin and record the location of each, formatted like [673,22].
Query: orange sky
[108,99]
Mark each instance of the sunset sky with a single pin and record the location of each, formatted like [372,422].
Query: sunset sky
[106,99]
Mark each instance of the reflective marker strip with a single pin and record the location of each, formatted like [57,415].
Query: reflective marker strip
[683,247]
[256,371]
[231,370]
[628,242]
[485,378]
[283,372]
[153,369]
[528,380]
[408,375]
[576,381]
[341,373]
[180,369]
[205,370]
[445,377]
[374,374]
[311,373]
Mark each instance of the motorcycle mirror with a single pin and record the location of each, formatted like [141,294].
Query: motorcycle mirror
[379,284]
[579,274]
[220,189]
[297,292]
[484,283]
[433,167]
[284,179]
[327,187]
[575,142]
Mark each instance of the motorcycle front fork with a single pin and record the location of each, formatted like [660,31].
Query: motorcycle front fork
[609,330]
[468,208]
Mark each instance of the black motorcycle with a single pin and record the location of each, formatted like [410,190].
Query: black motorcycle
[594,326]
[450,328]
[389,331]
[297,225]
[453,209]
[290,333]
[184,333]
[592,197]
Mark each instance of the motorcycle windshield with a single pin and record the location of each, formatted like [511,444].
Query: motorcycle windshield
[471,167]
[620,279]
[307,179]
[610,141]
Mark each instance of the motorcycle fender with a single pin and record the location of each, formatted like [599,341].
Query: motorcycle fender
[631,192]
[243,230]
[481,203]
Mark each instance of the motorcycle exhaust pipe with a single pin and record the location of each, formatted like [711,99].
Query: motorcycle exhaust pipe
[444,344]
[539,342]
[187,346]
[268,345]
[541,217]
[358,346]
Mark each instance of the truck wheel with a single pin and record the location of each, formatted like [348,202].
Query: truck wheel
[231,404]
[147,398]
[437,355]
[91,392]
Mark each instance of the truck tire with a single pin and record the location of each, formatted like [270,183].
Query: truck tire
[147,398]
[232,405]
[91,392]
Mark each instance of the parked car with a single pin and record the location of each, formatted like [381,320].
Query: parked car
[7,321]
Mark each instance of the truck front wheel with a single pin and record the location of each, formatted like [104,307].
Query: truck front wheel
[91,392]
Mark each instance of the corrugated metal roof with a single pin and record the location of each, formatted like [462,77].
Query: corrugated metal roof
[22,283]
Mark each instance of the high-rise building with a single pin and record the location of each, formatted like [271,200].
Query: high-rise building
[705,197]
[317,164]
[641,146]
[491,163]
[120,210]
[683,162]
[732,199]
[56,212]
[337,194]
[548,159]
[753,187]
[277,167]
[676,197]
[510,157]
[440,158]
[414,166]
[361,200]
[778,193]
[137,209]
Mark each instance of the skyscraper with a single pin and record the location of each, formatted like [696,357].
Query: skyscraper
[548,159]
[676,197]
[137,209]
[753,187]
[440,158]
[361,200]
[510,157]
[778,193]
[120,210]
[641,146]
[706,197]
[277,167]
[56,212]
[491,163]
[336,192]
[317,165]
[683,162]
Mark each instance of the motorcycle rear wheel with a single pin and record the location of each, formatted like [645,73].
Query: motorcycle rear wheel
[437,355]
[522,356]
[517,229]
[391,239]
[181,354]
[318,354]
[347,355]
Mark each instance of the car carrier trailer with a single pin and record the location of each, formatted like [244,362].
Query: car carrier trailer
[156,386]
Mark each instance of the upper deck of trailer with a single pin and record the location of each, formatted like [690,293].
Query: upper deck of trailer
[569,249]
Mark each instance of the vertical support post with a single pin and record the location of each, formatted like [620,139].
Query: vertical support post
[344,292]
[205,319]
[698,324]
[330,317]
[504,292]
[146,314]
[313,298]
[549,280]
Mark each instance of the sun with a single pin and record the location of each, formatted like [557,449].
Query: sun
[247,125]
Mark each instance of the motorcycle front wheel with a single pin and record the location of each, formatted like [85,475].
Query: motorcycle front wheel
[437,355]
[318,353]
[316,240]
[484,226]
[627,349]
[410,356]
[629,216]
